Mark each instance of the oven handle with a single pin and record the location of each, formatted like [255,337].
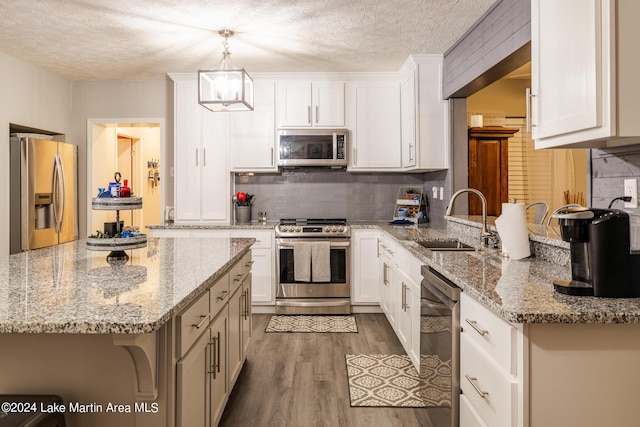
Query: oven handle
[290,243]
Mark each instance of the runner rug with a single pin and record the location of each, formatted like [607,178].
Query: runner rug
[279,323]
[392,381]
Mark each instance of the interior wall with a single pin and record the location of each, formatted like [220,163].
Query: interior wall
[136,101]
[30,97]
[505,97]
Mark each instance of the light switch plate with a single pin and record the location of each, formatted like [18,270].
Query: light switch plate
[631,190]
[434,192]
[441,193]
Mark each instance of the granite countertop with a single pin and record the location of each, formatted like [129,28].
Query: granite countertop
[69,289]
[520,291]
[254,225]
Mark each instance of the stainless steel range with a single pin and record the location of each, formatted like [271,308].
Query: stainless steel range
[312,264]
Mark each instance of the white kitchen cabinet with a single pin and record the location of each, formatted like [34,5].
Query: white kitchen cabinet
[389,286]
[252,134]
[424,115]
[311,104]
[408,303]
[263,269]
[584,61]
[365,276]
[491,367]
[374,123]
[202,180]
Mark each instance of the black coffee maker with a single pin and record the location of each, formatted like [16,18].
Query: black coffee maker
[602,264]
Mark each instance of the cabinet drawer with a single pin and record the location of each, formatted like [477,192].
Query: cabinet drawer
[491,333]
[239,271]
[479,375]
[219,294]
[264,239]
[192,322]
[468,416]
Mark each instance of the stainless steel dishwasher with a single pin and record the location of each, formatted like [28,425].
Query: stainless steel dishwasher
[440,328]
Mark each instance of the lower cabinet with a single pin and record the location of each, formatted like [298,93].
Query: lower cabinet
[201,377]
[491,370]
[408,328]
[212,338]
[365,273]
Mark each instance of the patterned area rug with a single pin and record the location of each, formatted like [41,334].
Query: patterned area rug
[312,324]
[432,324]
[392,381]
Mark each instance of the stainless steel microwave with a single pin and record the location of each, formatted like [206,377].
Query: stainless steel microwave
[312,147]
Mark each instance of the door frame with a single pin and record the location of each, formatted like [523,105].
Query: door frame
[125,121]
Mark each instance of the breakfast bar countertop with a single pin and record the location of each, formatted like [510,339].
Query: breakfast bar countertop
[70,289]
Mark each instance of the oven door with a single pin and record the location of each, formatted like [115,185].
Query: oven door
[337,287]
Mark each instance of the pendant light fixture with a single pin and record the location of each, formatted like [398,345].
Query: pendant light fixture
[226,88]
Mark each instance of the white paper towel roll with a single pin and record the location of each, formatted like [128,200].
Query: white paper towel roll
[512,228]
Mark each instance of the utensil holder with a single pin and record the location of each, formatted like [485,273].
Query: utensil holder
[243,214]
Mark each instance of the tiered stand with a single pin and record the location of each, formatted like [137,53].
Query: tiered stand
[117,245]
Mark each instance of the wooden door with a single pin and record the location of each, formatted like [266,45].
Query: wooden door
[488,167]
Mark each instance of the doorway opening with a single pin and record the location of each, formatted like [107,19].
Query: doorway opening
[134,149]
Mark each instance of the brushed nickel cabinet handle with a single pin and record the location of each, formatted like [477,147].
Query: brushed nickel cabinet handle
[474,383]
[309,114]
[223,296]
[475,326]
[196,157]
[317,114]
[272,156]
[202,322]
[218,349]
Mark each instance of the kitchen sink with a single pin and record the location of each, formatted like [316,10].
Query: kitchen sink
[443,245]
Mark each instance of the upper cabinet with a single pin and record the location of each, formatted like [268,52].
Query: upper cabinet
[252,134]
[374,124]
[425,115]
[311,104]
[584,61]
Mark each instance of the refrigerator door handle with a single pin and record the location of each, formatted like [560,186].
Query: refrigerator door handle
[58,183]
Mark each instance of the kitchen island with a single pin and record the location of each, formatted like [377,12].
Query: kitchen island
[109,338]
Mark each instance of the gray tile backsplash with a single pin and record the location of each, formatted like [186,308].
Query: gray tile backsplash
[325,193]
[609,168]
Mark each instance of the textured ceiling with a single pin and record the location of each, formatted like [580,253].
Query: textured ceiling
[144,39]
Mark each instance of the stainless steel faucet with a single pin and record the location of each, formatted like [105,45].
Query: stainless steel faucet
[485,234]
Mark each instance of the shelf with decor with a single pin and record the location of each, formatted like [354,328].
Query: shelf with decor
[410,205]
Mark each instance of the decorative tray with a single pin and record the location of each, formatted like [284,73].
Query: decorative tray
[117,243]
[116,203]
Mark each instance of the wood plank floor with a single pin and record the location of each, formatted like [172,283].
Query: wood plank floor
[300,380]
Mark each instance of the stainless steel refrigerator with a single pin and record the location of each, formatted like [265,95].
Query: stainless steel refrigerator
[43,196]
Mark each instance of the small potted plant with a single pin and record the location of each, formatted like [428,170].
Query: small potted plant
[412,193]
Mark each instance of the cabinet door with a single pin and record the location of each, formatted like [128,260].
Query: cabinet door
[218,367]
[216,187]
[252,134]
[566,66]
[236,305]
[294,104]
[188,124]
[408,115]
[374,119]
[263,266]
[404,311]
[366,275]
[245,314]
[328,104]
[192,385]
